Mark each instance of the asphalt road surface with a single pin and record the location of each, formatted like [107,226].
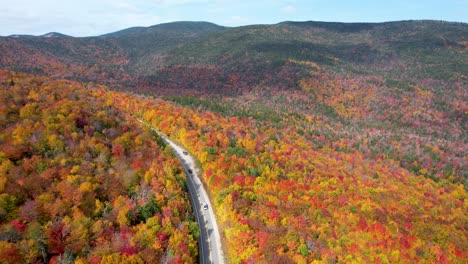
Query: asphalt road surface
[210,249]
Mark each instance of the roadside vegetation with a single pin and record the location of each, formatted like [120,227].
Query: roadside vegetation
[82,182]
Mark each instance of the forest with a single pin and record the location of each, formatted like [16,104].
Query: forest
[82,182]
[279,199]
[317,143]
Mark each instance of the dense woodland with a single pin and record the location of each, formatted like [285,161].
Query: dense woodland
[82,182]
[317,142]
[279,199]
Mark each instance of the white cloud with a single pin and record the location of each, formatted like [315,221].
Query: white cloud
[288,9]
[76,18]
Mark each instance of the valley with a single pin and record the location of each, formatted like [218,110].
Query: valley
[316,142]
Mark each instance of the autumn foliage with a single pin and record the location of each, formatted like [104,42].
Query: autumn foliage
[82,182]
[280,199]
[319,143]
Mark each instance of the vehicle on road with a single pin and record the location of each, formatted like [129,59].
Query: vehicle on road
[210,247]
[185,153]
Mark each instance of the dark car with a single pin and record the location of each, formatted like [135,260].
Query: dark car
[190,171]
[185,153]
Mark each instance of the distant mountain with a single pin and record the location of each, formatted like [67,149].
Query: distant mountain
[90,59]
[47,35]
[21,36]
[181,27]
[54,35]
[353,46]
[144,45]
[108,58]
[274,55]
[205,56]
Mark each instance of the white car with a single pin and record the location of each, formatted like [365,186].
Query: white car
[205,206]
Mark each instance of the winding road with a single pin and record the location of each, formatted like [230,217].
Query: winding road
[210,249]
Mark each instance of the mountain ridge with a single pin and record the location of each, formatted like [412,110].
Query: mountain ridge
[314,22]
[174,26]
[147,55]
[54,35]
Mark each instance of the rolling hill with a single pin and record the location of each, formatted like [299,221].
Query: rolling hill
[109,58]
[405,49]
[318,142]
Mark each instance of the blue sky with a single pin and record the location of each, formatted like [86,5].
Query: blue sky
[94,17]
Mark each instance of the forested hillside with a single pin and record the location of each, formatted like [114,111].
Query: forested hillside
[279,199]
[82,182]
[318,143]
[203,57]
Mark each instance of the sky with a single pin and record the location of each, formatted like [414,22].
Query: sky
[95,17]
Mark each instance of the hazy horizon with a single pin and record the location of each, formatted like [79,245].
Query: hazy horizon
[88,18]
[295,21]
